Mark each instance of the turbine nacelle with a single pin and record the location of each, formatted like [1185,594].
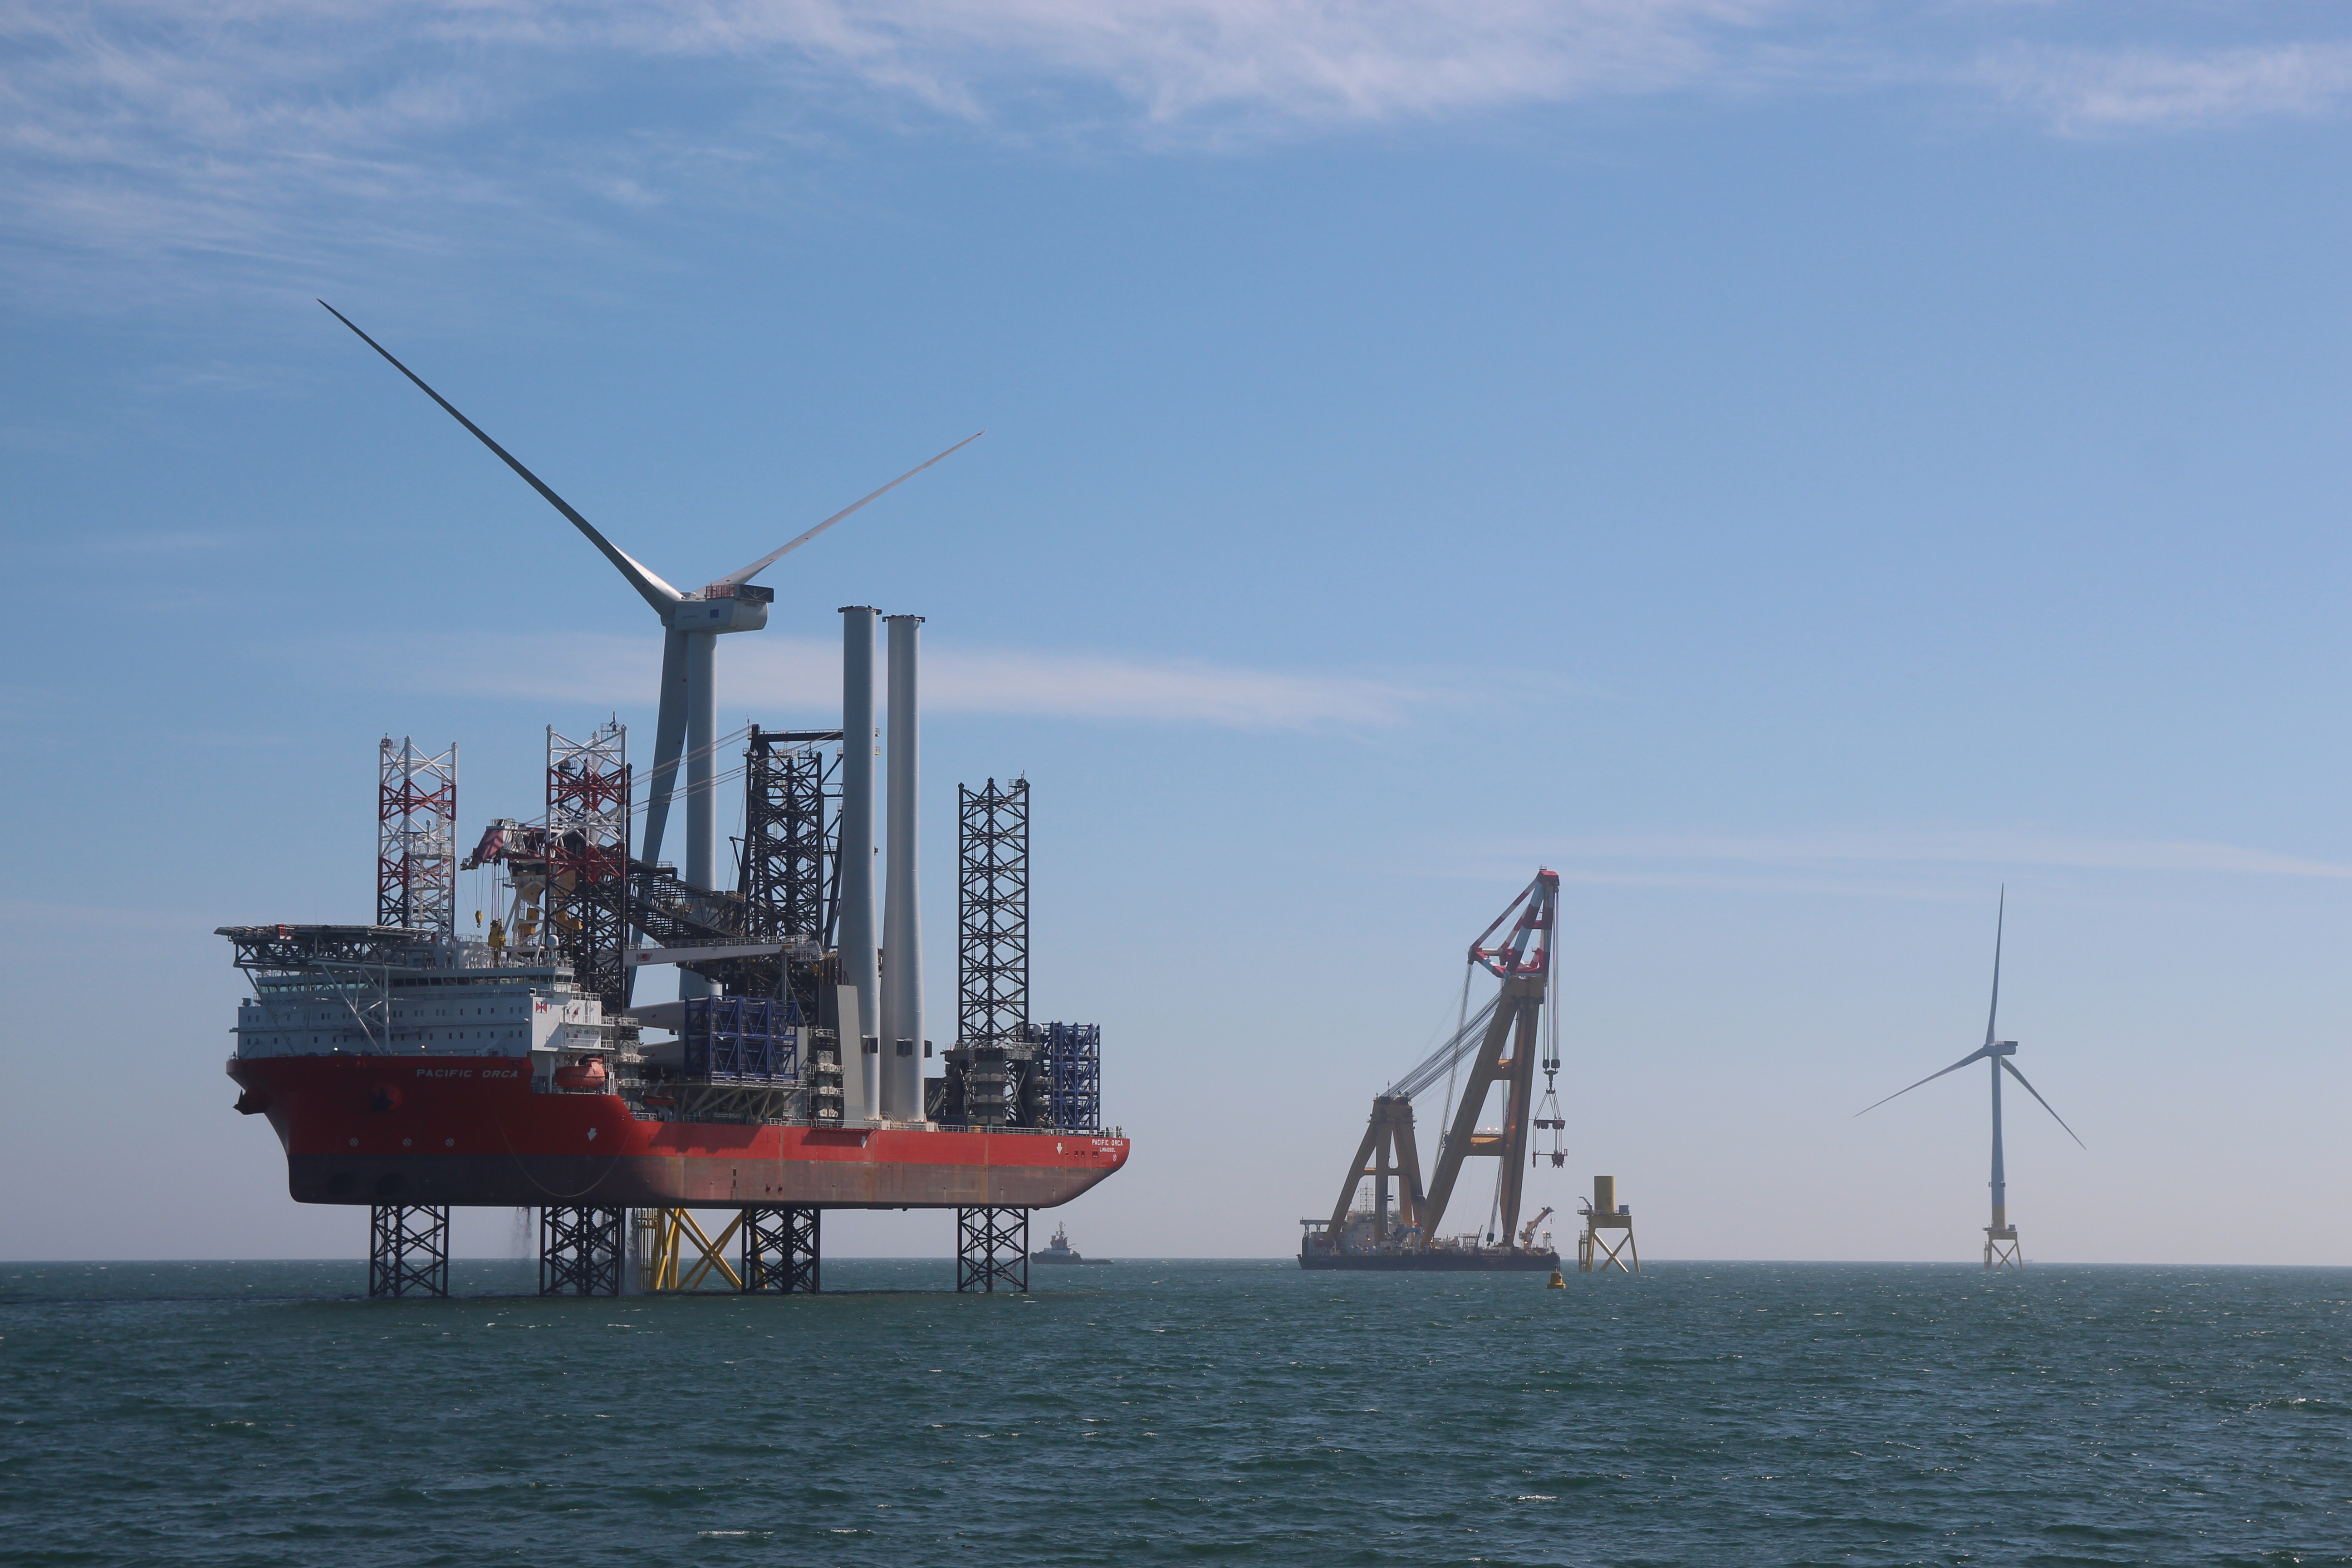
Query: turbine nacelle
[722,608]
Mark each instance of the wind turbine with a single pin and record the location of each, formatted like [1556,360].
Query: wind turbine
[692,623]
[2001,1237]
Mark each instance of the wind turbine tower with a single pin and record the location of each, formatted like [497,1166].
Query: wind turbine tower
[692,625]
[2000,1249]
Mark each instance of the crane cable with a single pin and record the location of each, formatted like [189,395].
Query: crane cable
[1461,1024]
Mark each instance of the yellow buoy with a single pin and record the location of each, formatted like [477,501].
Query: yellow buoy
[1557,1282]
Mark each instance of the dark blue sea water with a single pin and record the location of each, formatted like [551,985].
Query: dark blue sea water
[1163,1413]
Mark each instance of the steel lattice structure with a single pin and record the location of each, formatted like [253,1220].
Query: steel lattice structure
[588,856]
[1073,1072]
[408,1250]
[791,881]
[781,1249]
[416,838]
[993,914]
[580,1251]
[294,949]
[992,1249]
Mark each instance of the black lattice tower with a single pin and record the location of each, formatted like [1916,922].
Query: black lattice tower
[408,1250]
[993,914]
[588,856]
[417,837]
[992,1249]
[580,1251]
[790,879]
[781,1249]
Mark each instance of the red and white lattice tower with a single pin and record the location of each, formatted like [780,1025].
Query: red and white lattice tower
[588,855]
[417,839]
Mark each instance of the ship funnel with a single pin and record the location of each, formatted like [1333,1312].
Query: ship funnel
[859,742]
[901,1033]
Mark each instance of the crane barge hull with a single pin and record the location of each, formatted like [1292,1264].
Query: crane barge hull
[1433,1262]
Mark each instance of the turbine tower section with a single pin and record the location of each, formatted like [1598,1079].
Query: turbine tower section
[416,843]
[791,834]
[588,858]
[902,1034]
[992,913]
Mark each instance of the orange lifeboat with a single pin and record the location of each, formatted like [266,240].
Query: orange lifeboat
[589,1074]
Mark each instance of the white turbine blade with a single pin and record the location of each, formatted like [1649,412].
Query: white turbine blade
[736,579]
[669,740]
[2045,1104]
[1998,919]
[1972,1056]
[657,594]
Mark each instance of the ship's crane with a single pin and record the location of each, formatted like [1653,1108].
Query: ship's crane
[1499,1046]
[1527,1231]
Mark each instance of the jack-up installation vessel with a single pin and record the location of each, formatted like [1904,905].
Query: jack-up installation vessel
[410,1067]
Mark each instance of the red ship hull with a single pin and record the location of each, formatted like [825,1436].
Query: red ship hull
[470,1131]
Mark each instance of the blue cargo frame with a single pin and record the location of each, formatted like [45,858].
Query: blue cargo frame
[742,1039]
[1074,1076]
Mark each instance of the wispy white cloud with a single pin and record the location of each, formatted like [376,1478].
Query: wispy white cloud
[1088,686]
[272,132]
[276,133]
[777,675]
[2087,91]
[1919,848]
[150,542]
[1176,59]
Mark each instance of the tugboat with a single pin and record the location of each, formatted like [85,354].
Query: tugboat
[1059,1250]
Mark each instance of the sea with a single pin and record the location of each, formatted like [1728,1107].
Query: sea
[1181,1412]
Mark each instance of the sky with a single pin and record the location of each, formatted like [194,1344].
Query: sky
[1796,468]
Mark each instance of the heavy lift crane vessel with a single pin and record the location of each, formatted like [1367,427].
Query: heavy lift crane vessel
[1500,1044]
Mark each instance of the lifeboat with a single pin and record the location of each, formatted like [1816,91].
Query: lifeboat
[589,1074]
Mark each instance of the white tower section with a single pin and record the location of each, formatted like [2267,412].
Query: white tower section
[902,925]
[860,1079]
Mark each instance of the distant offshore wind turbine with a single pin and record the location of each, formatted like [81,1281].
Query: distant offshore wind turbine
[692,623]
[2001,1237]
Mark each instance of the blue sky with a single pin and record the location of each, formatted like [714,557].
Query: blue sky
[1792,467]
